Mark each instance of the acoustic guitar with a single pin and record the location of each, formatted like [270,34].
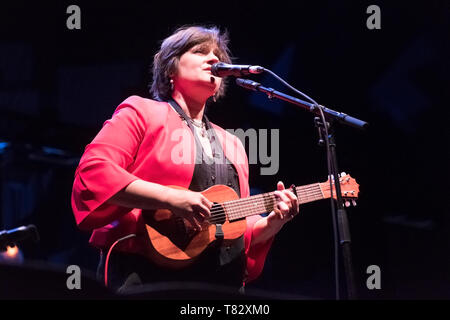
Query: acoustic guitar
[176,244]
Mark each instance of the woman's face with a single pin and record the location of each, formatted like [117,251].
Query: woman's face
[194,71]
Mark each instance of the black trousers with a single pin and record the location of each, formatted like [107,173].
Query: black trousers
[130,272]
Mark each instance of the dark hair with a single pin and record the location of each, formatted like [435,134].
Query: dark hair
[165,61]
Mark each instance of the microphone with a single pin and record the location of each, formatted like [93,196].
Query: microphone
[221,69]
[12,236]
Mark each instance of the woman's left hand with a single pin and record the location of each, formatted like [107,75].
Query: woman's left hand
[285,208]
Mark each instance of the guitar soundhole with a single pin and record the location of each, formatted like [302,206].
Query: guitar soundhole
[218,215]
[183,234]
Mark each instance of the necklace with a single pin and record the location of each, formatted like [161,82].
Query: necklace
[199,124]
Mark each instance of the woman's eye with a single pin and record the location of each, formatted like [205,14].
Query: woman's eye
[197,50]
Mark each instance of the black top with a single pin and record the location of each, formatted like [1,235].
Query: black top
[228,262]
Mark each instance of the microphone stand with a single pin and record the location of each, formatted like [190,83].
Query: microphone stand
[331,116]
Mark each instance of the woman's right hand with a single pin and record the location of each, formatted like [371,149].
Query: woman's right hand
[193,206]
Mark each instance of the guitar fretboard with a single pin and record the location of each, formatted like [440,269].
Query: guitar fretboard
[265,202]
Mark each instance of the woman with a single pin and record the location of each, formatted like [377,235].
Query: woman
[124,172]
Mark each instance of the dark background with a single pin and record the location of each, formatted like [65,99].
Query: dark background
[58,86]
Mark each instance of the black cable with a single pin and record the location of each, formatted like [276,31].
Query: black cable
[289,86]
[330,175]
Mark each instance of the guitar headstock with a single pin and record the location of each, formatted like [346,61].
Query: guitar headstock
[349,188]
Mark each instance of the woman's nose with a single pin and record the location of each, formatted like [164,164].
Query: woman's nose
[212,58]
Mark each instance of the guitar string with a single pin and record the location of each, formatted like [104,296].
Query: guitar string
[238,212]
[307,193]
[235,208]
[250,201]
[235,211]
[247,203]
[244,201]
[253,211]
[220,217]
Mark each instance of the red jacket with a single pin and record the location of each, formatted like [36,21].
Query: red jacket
[147,140]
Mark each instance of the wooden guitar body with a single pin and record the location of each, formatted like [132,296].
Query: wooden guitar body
[176,245]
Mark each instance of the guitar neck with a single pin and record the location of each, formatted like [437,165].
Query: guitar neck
[265,202]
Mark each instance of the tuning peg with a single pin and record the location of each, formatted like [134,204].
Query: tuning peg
[343,174]
[354,203]
[347,204]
